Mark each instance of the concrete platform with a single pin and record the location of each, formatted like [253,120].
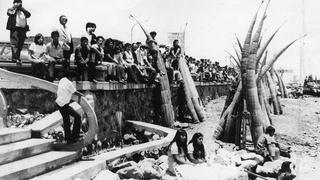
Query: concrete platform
[35,165]
[9,135]
[23,149]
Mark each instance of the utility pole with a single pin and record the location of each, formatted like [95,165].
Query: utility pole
[184,38]
[302,43]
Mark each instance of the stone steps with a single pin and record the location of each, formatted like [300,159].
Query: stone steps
[9,135]
[82,169]
[23,149]
[36,165]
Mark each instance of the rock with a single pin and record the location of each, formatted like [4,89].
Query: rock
[22,110]
[123,165]
[155,137]
[162,163]
[214,171]
[162,159]
[248,164]
[107,175]
[131,172]
[252,156]
[150,170]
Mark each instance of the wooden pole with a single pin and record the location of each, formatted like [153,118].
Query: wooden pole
[119,120]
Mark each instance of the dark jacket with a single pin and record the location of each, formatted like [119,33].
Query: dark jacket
[11,23]
[81,54]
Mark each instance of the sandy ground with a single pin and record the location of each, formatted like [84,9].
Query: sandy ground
[298,127]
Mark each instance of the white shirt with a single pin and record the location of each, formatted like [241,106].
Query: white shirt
[173,150]
[65,91]
[54,51]
[129,57]
[21,20]
[87,35]
[65,35]
[37,49]
[140,59]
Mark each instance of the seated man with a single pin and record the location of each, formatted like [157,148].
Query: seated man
[82,56]
[140,58]
[134,73]
[267,145]
[113,60]
[96,57]
[54,53]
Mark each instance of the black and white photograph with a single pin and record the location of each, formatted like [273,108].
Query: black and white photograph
[159,89]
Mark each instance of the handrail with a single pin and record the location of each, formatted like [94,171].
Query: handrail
[42,84]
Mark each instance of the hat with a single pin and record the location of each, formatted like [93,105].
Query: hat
[17,1]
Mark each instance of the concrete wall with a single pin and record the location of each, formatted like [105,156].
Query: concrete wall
[135,103]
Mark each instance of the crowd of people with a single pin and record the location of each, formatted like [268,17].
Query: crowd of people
[208,71]
[121,62]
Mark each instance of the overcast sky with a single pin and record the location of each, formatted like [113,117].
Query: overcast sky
[212,24]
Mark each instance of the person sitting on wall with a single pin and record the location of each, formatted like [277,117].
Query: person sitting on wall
[37,57]
[134,73]
[177,152]
[96,57]
[64,94]
[82,57]
[196,152]
[54,52]
[267,145]
[142,62]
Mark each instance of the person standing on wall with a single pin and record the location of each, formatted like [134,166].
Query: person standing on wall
[64,94]
[65,36]
[18,27]
[90,29]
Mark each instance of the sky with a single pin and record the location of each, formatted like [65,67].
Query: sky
[211,30]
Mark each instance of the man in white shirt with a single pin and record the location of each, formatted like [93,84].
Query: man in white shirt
[54,53]
[17,24]
[64,94]
[65,36]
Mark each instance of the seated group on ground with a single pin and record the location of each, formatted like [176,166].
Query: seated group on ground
[182,152]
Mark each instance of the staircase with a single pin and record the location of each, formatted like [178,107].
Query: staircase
[23,157]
